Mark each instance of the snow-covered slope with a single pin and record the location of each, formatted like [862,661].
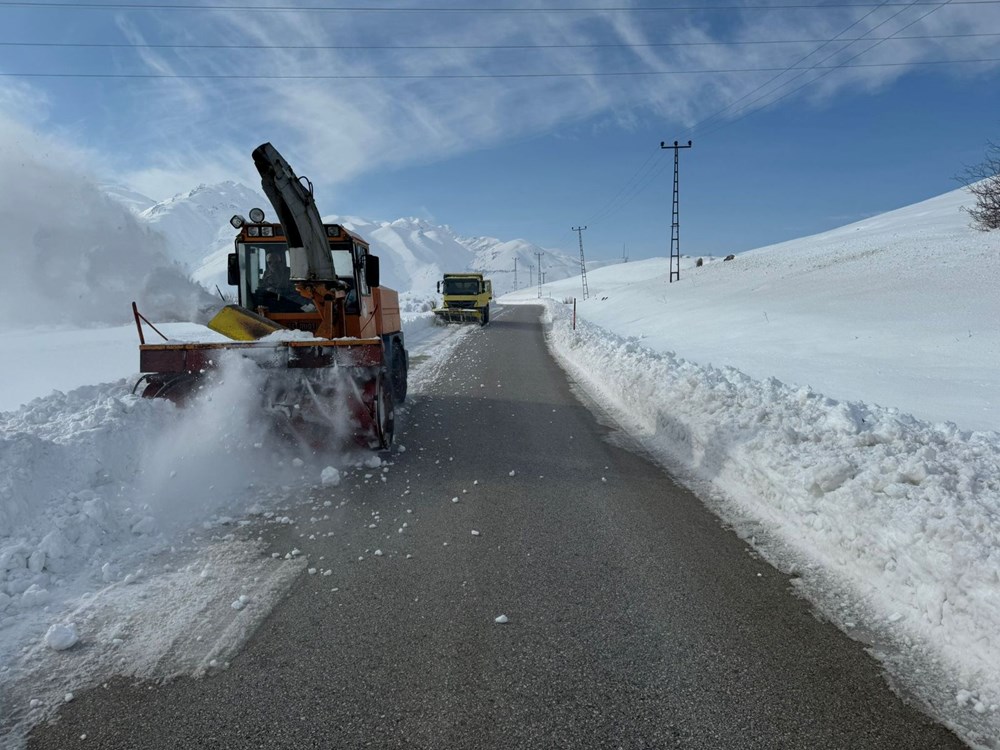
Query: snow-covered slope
[414,253]
[196,223]
[898,310]
[136,202]
[497,259]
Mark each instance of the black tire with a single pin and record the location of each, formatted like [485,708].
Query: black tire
[486,316]
[384,417]
[400,373]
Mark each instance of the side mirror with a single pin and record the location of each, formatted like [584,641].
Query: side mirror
[233,269]
[439,287]
[371,271]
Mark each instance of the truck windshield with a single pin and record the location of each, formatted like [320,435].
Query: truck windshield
[343,263]
[461,286]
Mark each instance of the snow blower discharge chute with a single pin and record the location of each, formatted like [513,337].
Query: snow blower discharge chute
[298,274]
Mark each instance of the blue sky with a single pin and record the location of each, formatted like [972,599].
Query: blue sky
[531,156]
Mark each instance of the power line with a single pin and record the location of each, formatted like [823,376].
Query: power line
[675,214]
[538,254]
[630,191]
[625,192]
[748,106]
[583,263]
[750,93]
[829,69]
[732,43]
[768,82]
[452,10]
[451,76]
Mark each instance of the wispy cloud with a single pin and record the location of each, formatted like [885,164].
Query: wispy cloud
[31,105]
[189,130]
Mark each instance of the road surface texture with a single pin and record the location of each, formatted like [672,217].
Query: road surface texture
[635,619]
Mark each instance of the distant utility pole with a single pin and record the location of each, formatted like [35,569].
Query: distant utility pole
[540,282]
[624,252]
[515,272]
[675,216]
[583,263]
[531,275]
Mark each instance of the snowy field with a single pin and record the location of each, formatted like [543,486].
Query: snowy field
[834,399]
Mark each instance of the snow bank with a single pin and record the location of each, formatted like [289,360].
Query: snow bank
[902,514]
[95,484]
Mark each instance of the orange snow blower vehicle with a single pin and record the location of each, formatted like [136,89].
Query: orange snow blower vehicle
[310,311]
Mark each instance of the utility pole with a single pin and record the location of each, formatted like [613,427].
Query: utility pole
[583,263]
[624,252]
[675,216]
[515,272]
[540,282]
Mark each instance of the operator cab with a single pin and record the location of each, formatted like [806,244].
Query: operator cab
[261,249]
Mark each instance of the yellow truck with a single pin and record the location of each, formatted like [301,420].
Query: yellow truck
[465,298]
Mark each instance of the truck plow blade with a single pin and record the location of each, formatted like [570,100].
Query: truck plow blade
[458,315]
[241,324]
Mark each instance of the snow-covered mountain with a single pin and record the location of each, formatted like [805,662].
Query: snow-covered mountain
[513,264]
[414,252]
[136,202]
[196,223]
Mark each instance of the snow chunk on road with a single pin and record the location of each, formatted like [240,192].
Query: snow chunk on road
[502,620]
[62,637]
[330,477]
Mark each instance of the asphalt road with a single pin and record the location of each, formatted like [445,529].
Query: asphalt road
[635,619]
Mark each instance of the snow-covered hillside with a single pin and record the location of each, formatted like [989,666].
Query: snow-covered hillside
[196,230]
[136,202]
[898,310]
[196,223]
[498,260]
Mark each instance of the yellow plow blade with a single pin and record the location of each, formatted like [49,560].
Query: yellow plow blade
[241,324]
[459,314]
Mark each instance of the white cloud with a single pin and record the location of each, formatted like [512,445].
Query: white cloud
[202,129]
[173,171]
[23,101]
